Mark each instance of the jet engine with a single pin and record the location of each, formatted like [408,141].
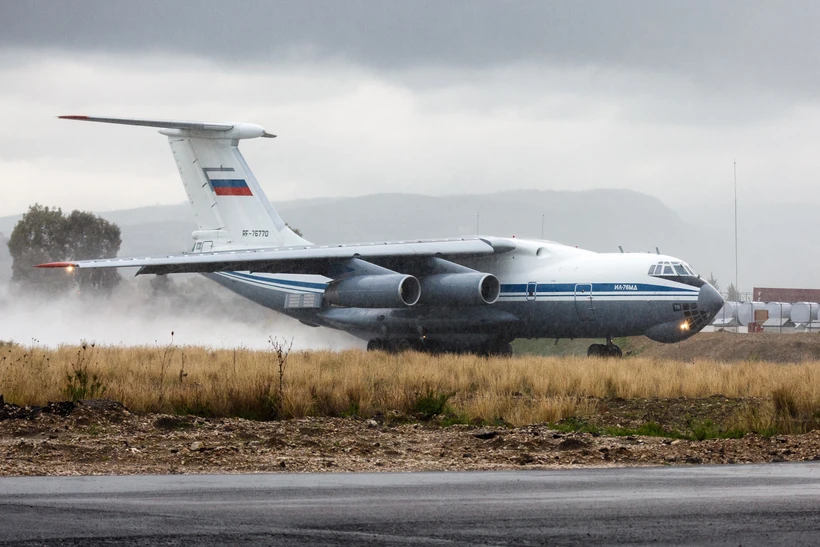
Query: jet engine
[374,291]
[460,289]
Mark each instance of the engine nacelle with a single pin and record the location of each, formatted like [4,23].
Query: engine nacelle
[374,291]
[460,289]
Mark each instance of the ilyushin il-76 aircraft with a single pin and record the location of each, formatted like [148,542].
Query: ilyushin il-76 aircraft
[463,294]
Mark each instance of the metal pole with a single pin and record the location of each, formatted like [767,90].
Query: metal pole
[477,215]
[737,286]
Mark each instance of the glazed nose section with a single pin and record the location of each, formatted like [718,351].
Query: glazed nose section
[709,300]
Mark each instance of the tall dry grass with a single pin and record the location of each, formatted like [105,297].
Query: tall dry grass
[519,391]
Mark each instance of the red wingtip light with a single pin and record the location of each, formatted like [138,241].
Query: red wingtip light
[67,265]
[73,117]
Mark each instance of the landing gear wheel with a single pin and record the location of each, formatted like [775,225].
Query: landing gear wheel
[614,351]
[504,350]
[604,350]
[402,345]
[497,348]
[375,345]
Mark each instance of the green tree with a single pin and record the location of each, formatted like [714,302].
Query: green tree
[90,236]
[39,237]
[46,235]
[732,293]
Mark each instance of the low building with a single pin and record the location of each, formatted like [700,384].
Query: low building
[770,294]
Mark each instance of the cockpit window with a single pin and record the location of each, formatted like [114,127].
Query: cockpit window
[676,269]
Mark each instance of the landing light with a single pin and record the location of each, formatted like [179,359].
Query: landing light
[69,269]
[684,325]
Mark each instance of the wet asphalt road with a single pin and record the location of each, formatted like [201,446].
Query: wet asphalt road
[722,505]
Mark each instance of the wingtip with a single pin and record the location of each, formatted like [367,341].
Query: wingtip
[72,117]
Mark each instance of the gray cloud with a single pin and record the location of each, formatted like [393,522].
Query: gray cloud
[728,45]
[349,131]
[432,97]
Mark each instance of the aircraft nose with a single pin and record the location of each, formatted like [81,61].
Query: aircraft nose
[709,300]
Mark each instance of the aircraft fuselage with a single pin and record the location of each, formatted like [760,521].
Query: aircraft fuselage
[548,290]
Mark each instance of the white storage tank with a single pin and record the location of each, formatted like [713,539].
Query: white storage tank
[746,311]
[779,310]
[727,314]
[804,312]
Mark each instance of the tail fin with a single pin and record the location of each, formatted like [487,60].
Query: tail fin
[231,209]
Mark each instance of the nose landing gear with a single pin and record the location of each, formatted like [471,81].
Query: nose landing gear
[605,350]
[496,348]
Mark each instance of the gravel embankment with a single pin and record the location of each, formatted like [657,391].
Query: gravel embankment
[105,438]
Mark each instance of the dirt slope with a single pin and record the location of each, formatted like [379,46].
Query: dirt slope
[729,347]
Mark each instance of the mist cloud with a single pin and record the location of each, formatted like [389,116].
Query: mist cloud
[202,314]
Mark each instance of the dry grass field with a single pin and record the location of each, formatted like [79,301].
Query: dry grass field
[451,388]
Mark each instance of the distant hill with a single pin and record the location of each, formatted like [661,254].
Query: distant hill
[570,217]
[599,220]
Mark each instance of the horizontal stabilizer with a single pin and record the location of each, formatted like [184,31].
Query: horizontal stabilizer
[229,129]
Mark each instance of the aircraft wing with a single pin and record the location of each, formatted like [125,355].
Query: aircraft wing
[308,259]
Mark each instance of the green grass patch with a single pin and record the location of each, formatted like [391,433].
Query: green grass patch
[430,402]
[696,431]
[707,429]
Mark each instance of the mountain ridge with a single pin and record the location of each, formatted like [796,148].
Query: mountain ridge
[599,220]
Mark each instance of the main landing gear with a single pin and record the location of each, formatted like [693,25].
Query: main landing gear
[605,350]
[496,348]
[493,348]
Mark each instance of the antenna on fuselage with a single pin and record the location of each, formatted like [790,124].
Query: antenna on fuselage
[657,251]
[621,249]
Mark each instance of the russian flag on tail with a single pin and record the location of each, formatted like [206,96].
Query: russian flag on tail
[227,187]
[231,187]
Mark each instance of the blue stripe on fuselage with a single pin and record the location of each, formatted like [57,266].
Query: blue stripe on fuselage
[596,288]
[509,290]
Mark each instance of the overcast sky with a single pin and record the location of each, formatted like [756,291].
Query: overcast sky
[428,97]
